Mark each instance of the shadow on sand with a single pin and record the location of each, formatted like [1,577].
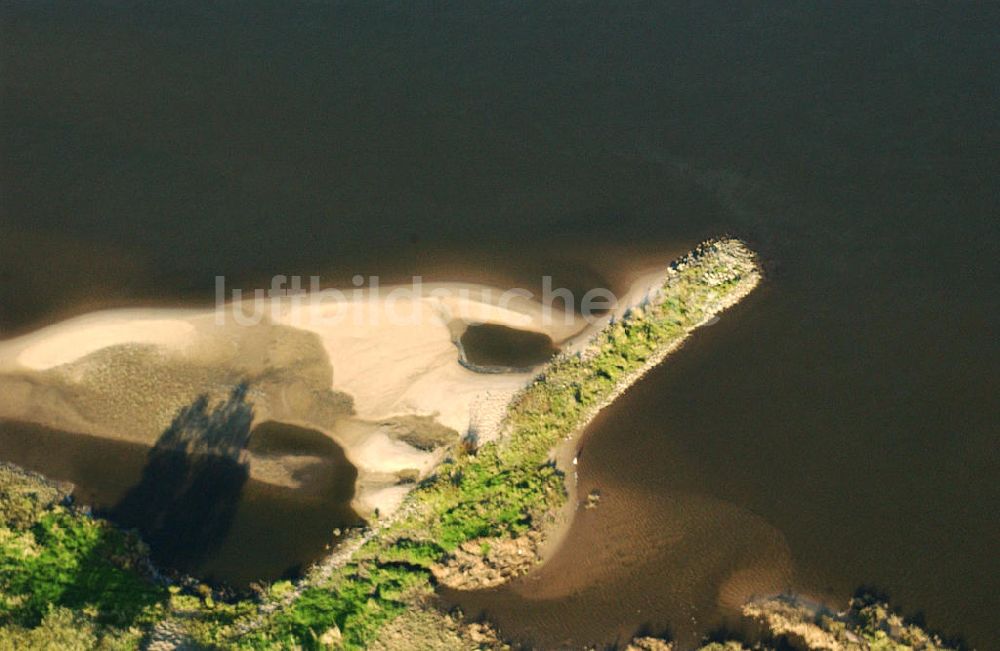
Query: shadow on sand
[187,497]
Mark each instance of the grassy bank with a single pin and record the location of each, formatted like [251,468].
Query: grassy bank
[67,580]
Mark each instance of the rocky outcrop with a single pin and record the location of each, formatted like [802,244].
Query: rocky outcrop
[649,644]
[432,630]
[488,562]
[865,625]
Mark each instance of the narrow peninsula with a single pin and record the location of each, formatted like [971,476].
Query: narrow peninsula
[498,497]
[476,519]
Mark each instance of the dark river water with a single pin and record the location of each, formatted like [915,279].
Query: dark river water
[836,429]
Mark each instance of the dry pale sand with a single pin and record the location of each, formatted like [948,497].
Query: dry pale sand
[69,341]
[354,366]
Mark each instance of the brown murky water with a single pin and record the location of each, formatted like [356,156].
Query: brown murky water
[839,427]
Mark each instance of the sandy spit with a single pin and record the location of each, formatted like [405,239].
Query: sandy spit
[352,366]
